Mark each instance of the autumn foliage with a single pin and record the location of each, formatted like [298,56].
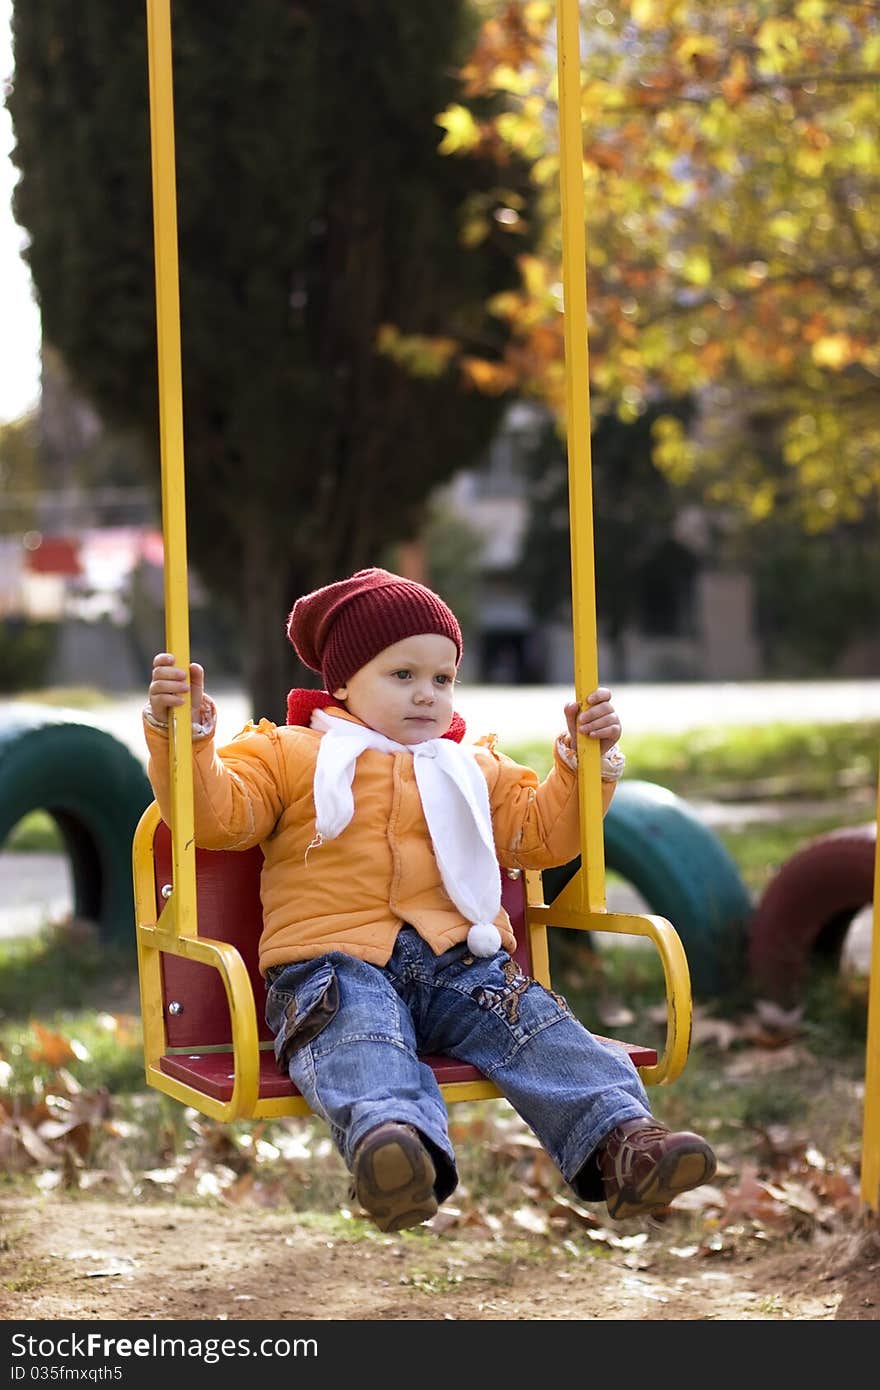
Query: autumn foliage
[733,228]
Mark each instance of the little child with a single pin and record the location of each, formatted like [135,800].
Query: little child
[383,934]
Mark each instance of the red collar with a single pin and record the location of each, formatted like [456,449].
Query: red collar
[301,703]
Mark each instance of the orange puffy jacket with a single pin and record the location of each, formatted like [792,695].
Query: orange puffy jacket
[353,893]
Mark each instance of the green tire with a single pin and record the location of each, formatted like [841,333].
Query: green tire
[94,789]
[656,842]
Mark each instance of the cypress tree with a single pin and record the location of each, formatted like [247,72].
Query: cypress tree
[313,208]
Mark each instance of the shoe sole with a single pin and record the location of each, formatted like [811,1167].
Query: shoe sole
[394,1181]
[674,1174]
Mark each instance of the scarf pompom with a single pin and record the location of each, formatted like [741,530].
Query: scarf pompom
[484,939]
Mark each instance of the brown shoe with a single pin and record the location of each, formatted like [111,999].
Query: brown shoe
[394,1177]
[644,1166]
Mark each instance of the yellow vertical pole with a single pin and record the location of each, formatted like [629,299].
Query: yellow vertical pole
[577,395]
[871,1121]
[181,910]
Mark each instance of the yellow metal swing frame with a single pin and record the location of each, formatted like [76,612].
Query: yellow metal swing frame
[170,936]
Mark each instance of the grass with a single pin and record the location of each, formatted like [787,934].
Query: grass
[60,997]
[58,970]
[774,760]
[64,696]
[35,833]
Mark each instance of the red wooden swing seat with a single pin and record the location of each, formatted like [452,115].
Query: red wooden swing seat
[206,1040]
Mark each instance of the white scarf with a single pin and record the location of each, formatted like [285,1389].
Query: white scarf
[455,800]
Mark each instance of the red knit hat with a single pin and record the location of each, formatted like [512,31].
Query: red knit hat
[338,629]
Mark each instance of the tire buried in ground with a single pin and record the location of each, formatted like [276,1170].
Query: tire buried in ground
[94,789]
[655,841]
[803,915]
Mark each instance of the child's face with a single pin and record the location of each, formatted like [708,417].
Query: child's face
[406,691]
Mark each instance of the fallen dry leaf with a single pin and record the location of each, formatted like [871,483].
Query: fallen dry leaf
[531,1219]
[53,1049]
[757,1062]
[573,1210]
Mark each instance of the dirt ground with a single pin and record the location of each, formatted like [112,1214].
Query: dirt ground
[138,1247]
[86,1258]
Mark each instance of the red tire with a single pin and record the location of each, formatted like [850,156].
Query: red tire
[804,913]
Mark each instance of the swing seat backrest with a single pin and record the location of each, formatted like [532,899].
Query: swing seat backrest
[190,1007]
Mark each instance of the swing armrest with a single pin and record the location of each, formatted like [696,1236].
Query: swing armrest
[668,944]
[225,958]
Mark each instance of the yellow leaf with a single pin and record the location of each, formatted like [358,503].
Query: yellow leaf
[696,47]
[521,131]
[697,268]
[809,10]
[416,352]
[785,226]
[492,378]
[508,79]
[534,274]
[775,37]
[538,14]
[546,169]
[505,304]
[474,231]
[462,131]
[862,153]
[834,351]
[811,163]
[646,12]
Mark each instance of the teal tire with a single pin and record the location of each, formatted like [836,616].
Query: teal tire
[657,843]
[94,789]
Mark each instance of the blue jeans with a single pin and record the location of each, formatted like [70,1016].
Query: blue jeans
[349,1034]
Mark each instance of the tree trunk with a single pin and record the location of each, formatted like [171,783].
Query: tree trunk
[270,665]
